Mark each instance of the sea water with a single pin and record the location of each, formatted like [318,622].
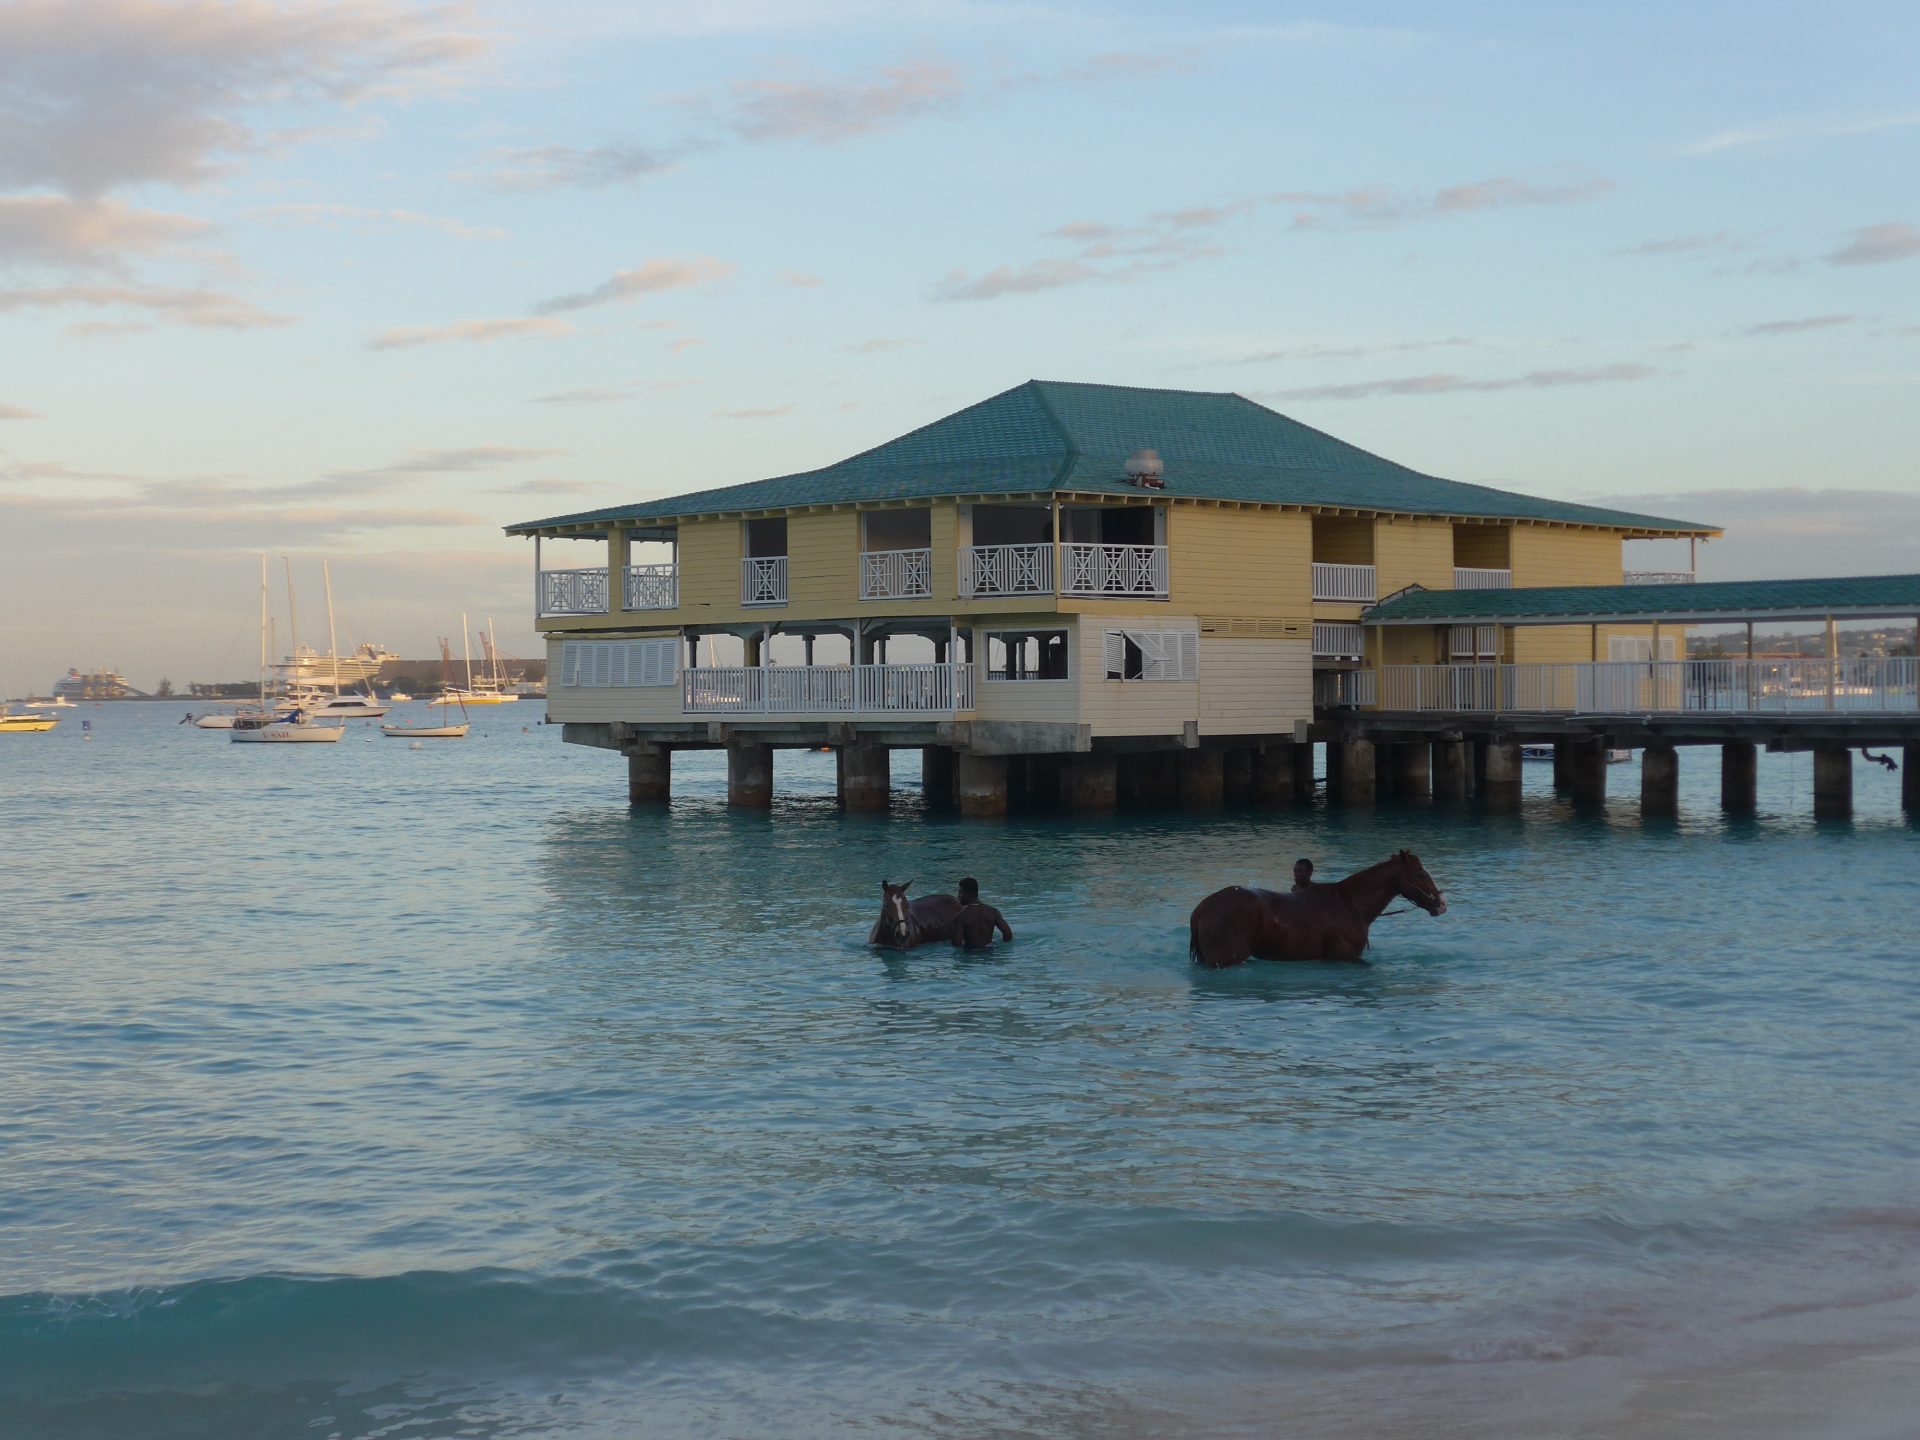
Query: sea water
[404,1090]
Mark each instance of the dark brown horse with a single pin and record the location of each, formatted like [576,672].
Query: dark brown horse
[905,923]
[1326,922]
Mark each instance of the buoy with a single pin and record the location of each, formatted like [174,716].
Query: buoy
[415,746]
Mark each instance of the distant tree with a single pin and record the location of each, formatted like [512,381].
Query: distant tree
[164,690]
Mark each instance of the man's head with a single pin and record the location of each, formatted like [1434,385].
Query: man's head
[1303,871]
[969,889]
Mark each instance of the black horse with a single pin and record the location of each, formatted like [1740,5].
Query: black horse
[905,923]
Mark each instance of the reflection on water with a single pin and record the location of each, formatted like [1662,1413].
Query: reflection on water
[421,1092]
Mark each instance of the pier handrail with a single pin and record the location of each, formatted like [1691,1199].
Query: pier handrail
[936,689]
[1856,685]
[1343,582]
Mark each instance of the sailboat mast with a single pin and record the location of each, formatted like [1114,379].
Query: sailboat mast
[333,653]
[293,627]
[263,634]
[493,655]
[466,649]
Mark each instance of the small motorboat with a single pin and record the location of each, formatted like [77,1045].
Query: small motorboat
[11,724]
[426,732]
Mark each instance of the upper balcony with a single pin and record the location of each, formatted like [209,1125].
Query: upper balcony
[1350,583]
[586,591]
[1089,571]
[1472,577]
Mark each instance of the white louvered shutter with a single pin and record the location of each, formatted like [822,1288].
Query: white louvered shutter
[1189,642]
[602,665]
[1116,655]
[569,662]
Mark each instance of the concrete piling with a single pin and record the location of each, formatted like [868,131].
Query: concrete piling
[1356,764]
[1412,771]
[1832,782]
[1910,780]
[1202,779]
[1272,780]
[936,776]
[1450,770]
[1303,774]
[750,775]
[1236,767]
[1659,780]
[982,785]
[1502,790]
[1587,770]
[1090,783]
[1739,774]
[649,775]
[865,775]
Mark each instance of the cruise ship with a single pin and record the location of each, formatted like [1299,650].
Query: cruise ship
[309,669]
[93,685]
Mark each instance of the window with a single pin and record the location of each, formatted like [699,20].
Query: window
[619,664]
[1153,654]
[1026,655]
[1640,647]
[1467,643]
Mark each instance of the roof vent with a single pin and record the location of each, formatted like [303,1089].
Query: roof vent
[1144,470]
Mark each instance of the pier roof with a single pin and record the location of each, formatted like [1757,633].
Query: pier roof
[1056,438]
[1719,601]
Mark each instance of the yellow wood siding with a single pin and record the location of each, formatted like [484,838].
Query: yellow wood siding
[1254,686]
[1338,540]
[1412,552]
[1483,547]
[1239,562]
[1133,707]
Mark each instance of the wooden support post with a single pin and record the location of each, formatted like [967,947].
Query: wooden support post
[1357,786]
[1739,774]
[1202,779]
[1090,783]
[1832,782]
[1562,768]
[1303,773]
[649,775]
[864,775]
[936,776]
[1412,771]
[1502,790]
[1272,780]
[1236,766]
[1659,780]
[982,785]
[1910,780]
[1478,751]
[1450,771]
[1587,770]
[749,775]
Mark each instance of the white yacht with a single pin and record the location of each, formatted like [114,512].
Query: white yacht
[345,706]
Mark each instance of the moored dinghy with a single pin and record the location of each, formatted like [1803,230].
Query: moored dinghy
[435,732]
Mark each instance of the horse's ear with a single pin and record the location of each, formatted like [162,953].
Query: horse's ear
[907,885]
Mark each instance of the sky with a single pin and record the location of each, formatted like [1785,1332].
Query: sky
[365,281]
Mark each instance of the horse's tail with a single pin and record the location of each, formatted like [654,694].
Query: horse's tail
[1193,936]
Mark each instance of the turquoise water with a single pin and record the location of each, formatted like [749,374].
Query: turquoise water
[370,1090]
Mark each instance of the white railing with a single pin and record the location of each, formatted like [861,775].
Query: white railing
[1867,685]
[1341,638]
[1343,689]
[1469,577]
[1343,582]
[1006,569]
[1115,570]
[827,689]
[1656,577]
[763,581]
[573,592]
[895,574]
[651,587]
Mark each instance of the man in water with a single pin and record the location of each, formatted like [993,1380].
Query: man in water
[1302,875]
[974,927]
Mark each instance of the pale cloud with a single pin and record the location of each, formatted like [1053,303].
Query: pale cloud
[459,460]
[652,278]
[470,332]
[880,345]
[1015,280]
[768,412]
[1795,531]
[105,329]
[335,217]
[96,94]
[1717,242]
[19,412]
[1878,244]
[609,394]
[54,231]
[830,111]
[566,167]
[204,309]
[1355,351]
[1802,128]
[1447,384]
[543,487]
[799,279]
[1104,253]
[1799,326]
[1378,207]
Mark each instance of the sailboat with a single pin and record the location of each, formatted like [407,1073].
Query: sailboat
[335,705]
[279,725]
[436,732]
[469,694]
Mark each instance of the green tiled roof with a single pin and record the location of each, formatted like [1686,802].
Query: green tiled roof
[1050,435]
[1725,600]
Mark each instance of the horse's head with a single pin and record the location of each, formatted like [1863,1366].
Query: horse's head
[1416,886]
[896,919]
